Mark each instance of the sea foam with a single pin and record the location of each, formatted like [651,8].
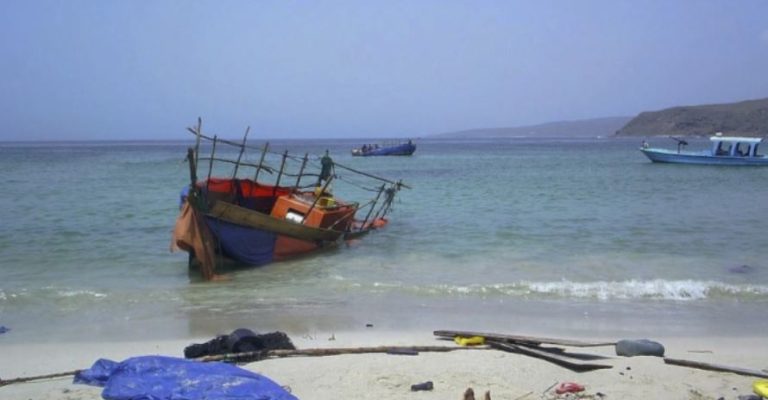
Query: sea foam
[676,290]
[679,290]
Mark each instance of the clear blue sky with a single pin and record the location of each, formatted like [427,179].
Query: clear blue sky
[103,69]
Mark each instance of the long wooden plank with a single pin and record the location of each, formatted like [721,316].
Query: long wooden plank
[5,382]
[264,354]
[559,359]
[716,367]
[532,340]
[242,216]
[394,350]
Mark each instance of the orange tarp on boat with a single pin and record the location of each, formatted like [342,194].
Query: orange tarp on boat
[191,235]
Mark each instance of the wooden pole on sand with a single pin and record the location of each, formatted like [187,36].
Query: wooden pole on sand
[264,354]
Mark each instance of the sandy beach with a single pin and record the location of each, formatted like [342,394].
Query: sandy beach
[362,174]
[385,376]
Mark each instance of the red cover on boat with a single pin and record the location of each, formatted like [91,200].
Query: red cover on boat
[248,188]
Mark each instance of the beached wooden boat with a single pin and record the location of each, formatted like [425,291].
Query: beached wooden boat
[401,149]
[724,150]
[254,222]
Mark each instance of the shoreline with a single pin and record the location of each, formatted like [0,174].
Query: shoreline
[577,319]
[384,376]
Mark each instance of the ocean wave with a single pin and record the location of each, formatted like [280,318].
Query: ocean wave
[65,292]
[678,290]
[79,293]
[49,293]
[681,290]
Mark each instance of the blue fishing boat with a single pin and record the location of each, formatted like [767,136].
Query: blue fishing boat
[401,149]
[723,150]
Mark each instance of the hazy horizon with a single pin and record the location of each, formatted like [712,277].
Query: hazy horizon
[109,70]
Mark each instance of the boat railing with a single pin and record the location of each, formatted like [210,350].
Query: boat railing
[296,168]
[680,143]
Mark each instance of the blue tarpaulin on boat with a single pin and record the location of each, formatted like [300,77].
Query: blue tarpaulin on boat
[4,329]
[247,245]
[169,378]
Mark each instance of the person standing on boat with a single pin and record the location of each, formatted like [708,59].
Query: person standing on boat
[326,170]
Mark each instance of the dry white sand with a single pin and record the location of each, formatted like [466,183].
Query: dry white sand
[381,376]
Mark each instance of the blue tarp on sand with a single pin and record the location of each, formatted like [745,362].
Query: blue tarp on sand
[168,378]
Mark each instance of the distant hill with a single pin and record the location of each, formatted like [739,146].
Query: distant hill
[580,128]
[746,118]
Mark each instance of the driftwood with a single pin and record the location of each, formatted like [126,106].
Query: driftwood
[716,367]
[529,340]
[250,356]
[557,358]
[4,382]
[264,354]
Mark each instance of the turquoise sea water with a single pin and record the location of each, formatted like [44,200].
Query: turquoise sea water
[531,236]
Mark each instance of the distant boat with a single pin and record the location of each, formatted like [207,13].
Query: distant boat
[254,222]
[724,150]
[402,149]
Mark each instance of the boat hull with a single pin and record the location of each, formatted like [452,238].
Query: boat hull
[253,238]
[252,219]
[255,247]
[702,158]
[405,149]
[246,245]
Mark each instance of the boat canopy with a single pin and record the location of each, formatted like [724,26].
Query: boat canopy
[735,139]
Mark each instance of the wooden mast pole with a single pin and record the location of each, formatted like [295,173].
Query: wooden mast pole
[381,190]
[280,174]
[210,164]
[261,162]
[198,134]
[192,168]
[301,170]
[242,150]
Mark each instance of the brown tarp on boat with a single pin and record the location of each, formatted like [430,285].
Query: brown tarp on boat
[191,235]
